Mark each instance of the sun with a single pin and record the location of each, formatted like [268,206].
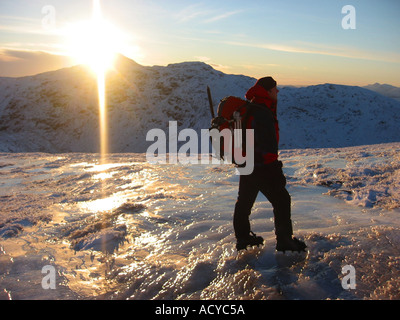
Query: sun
[94,42]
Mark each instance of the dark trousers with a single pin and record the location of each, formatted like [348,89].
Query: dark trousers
[271,181]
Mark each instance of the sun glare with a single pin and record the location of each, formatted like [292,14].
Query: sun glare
[88,45]
[94,42]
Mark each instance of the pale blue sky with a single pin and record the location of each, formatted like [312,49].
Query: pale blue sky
[298,42]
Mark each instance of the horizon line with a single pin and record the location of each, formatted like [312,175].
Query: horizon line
[71,64]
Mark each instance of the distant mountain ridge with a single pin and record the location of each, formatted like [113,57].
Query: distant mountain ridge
[57,111]
[385,89]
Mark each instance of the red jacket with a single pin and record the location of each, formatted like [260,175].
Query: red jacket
[266,147]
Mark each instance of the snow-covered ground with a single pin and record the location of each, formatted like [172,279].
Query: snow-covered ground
[131,230]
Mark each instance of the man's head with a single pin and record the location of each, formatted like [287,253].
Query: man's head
[269,84]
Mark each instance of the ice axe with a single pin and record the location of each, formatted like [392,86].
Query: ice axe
[210,102]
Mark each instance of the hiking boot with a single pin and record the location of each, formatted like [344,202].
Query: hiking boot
[251,240]
[291,244]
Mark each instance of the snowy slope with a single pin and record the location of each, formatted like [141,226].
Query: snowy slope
[336,116]
[57,111]
[385,89]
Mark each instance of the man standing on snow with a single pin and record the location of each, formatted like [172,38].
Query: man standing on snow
[267,176]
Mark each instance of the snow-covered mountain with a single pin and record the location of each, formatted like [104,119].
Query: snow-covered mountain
[385,89]
[336,116]
[57,111]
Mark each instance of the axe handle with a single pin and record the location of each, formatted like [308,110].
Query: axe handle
[210,101]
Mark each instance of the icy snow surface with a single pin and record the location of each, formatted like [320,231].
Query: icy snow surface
[132,230]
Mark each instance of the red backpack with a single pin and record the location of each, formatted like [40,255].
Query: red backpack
[232,114]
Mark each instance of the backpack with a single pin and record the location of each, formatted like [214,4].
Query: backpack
[232,116]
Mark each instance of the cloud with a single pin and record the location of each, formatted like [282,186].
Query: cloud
[202,58]
[220,67]
[22,30]
[198,11]
[18,63]
[191,12]
[217,66]
[322,49]
[22,25]
[258,66]
[222,16]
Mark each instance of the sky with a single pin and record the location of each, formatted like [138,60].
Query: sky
[297,42]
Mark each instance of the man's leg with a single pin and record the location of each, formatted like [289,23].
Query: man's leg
[273,186]
[248,191]
[281,203]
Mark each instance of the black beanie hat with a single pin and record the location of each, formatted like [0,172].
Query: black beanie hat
[267,83]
